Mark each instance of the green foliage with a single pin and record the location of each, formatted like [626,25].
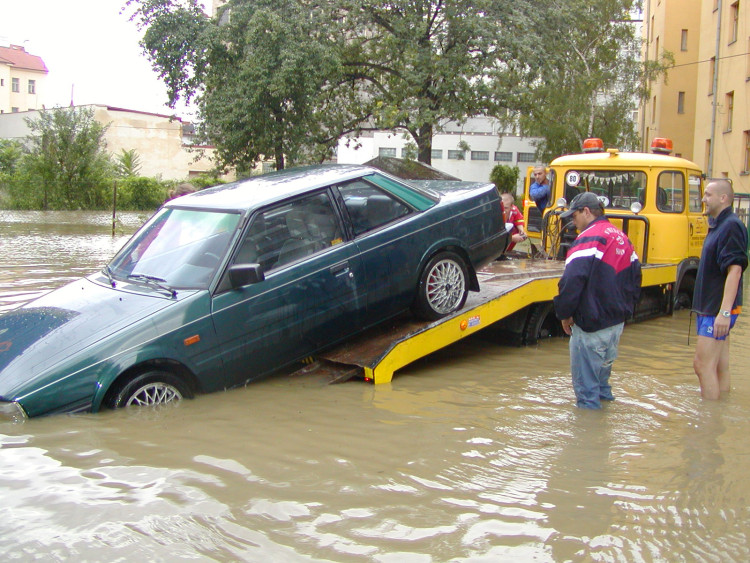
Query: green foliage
[591,78]
[67,166]
[127,163]
[138,192]
[505,178]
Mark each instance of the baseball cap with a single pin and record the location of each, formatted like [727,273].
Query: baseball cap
[585,199]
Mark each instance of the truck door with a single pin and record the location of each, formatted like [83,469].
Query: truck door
[697,222]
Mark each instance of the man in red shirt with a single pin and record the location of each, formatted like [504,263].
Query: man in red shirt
[514,223]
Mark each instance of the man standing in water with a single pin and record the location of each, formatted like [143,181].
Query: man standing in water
[717,298]
[598,291]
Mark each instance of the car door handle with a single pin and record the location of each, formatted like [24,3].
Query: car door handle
[342,269]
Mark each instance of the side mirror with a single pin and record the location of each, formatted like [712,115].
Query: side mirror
[245,274]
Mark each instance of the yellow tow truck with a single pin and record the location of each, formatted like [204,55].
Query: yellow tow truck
[653,197]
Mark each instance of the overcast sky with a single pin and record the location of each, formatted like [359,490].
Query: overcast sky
[90,49]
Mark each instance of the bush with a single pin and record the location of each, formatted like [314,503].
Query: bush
[139,193]
[505,178]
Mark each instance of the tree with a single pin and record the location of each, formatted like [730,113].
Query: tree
[420,63]
[262,74]
[591,79]
[67,165]
[127,163]
[505,178]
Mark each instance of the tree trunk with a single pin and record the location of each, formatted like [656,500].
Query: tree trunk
[424,144]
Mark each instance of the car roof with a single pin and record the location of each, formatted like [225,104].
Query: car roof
[256,191]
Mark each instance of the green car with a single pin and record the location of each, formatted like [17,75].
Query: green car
[229,284]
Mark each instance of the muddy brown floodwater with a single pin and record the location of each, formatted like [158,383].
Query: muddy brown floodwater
[475,453]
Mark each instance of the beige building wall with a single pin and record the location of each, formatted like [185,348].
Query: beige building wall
[722,124]
[158,140]
[674,26]
[23,72]
[161,141]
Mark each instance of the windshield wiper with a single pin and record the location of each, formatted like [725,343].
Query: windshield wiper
[108,272]
[153,281]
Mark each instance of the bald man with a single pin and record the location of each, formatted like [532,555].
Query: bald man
[717,299]
[540,189]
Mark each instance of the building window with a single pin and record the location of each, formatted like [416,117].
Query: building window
[387,151]
[734,19]
[711,70]
[730,111]
[437,154]
[15,85]
[747,58]
[653,110]
[456,155]
[746,153]
[680,102]
[683,40]
[526,157]
[480,155]
[503,156]
[2,81]
[32,86]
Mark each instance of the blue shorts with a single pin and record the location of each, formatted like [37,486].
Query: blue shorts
[705,326]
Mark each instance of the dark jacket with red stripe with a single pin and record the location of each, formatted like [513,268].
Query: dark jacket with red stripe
[602,279]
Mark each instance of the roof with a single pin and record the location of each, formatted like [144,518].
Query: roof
[625,159]
[16,56]
[261,190]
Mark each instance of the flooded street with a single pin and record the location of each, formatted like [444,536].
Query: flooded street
[475,453]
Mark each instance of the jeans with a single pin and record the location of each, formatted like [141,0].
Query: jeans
[591,357]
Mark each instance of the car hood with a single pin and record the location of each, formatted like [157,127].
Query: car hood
[67,320]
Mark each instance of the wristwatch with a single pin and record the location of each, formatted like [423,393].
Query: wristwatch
[725,314]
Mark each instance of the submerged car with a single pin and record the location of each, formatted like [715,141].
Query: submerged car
[226,285]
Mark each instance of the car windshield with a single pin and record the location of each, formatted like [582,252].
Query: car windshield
[177,248]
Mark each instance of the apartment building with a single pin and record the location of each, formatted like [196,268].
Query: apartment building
[702,104]
[467,150]
[22,77]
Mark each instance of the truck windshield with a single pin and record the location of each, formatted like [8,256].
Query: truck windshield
[181,248]
[619,187]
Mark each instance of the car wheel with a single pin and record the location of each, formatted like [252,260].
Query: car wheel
[442,287]
[150,389]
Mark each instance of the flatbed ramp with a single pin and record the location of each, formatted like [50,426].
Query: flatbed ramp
[505,288]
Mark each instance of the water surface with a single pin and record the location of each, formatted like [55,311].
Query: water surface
[475,453]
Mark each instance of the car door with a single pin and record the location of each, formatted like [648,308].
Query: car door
[387,246]
[311,297]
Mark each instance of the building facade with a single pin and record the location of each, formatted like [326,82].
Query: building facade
[22,77]
[702,104]
[468,151]
[162,142]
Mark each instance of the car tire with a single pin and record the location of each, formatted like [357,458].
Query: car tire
[443,287]
[151,388]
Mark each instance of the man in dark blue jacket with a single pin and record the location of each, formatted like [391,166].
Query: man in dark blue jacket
[598,291]
[718,288]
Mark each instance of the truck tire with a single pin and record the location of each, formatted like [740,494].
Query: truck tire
[541,323]
[442,288]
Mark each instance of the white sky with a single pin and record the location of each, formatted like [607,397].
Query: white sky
[89,47]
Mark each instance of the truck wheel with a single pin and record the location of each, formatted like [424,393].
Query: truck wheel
[150,389]
[442,287]
[541,323]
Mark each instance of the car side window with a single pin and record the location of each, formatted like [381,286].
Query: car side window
[370,207]
[291,231]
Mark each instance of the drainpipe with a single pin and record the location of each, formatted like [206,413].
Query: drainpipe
[644,102]
[714,87]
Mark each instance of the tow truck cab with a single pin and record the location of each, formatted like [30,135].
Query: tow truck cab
[655,198]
